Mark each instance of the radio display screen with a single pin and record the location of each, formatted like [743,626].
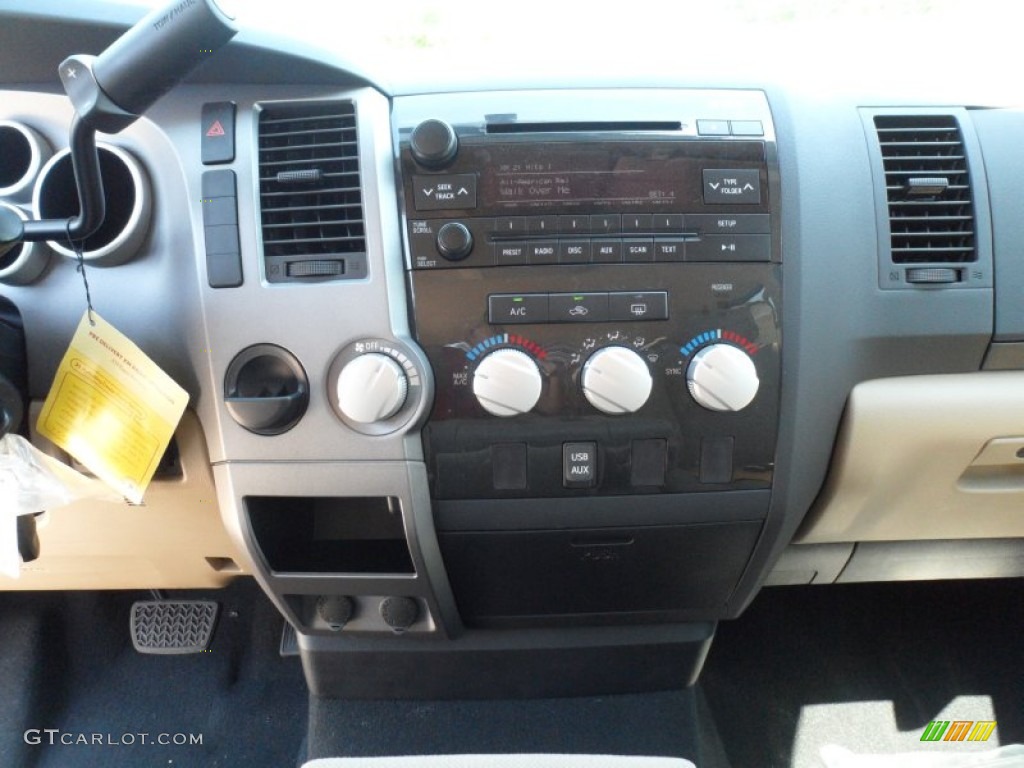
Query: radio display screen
[653,175]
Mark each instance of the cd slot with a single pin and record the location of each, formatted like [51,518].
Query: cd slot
[587,127]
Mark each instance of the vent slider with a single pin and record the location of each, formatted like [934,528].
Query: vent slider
[927,187]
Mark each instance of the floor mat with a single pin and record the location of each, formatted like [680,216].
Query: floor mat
[868,668]
[79,695]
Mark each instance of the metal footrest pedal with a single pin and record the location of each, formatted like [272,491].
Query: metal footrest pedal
[173,626]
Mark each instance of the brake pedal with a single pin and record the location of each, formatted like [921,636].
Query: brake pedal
[173,626]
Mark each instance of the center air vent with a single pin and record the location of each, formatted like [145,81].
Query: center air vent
[310,196]
[927,182]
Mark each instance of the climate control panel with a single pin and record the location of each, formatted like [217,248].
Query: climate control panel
[671,374]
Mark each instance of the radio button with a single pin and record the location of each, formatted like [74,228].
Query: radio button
[606,224]
[514,226]
[511,254]
[646,305]
[543,252]
[729,223]
[546,226]
[606,251]
[578,307]
[747,128]
[573,251]
[509,309]
[574,225]
[713,127]
[732,187]
[669,250]
[637,250]
[637,222]
[724,248]
[671,223]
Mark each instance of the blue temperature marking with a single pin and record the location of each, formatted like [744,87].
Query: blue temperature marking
[483,346]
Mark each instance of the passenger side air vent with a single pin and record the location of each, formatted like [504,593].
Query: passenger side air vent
[928,187]
[310,196]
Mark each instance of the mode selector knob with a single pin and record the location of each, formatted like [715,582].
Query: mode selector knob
[372,387]
[454,241]
[507,382]
[433,143]
[722,378]
[616,380]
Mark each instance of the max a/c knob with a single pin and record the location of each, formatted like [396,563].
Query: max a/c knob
[433,143]
[371,388]
[454,241]
[616,380]
[722,378]
[507,382]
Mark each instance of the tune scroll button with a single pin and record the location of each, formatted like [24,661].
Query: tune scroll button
[371,388]
[454,241]
[616,380]
[722,378]
[507,383]
[433,143]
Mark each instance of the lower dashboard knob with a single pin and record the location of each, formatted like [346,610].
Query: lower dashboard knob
[372,387]
[399,613]
[454,241]
[507,382]
[722,378]
[616,380]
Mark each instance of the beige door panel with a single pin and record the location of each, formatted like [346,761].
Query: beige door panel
[174,540]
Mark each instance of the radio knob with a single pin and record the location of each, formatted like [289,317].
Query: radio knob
[454,241]
[507,382]
[722,378]
[616,380]
[370,388]
[433,143]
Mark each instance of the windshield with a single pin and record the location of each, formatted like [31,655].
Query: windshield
[834,42]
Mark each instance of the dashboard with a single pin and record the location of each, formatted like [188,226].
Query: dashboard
[488,377]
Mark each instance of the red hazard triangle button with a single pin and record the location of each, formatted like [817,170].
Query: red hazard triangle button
[217,124]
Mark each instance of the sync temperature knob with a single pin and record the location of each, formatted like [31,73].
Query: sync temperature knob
[371,388]
[507,382]
[722,378]
[616,380]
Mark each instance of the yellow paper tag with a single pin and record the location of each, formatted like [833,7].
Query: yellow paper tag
[112,408]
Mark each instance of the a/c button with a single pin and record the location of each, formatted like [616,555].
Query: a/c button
[506,309]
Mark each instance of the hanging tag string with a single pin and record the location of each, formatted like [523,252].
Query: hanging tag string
[77,245]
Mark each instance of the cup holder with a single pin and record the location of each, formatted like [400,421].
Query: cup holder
[25,261]
[22,154]
[128,203]
[266,390]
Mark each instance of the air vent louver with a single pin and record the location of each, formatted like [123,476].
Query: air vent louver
[931,215]
[310,197]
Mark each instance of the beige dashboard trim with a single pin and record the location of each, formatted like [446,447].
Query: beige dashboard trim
[175,540]
[926,458]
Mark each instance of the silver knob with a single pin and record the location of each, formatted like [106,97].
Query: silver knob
[616,380]
[371,388]
[722,378]
[507,382]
